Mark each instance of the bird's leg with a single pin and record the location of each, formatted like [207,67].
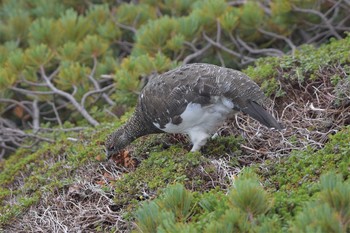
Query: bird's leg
[215,135]
[198,139]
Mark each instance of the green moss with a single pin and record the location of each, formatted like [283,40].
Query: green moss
[159,169]
[221,146]
[303,66]
[265,68]
[49,168]
[23,203]
[162,165]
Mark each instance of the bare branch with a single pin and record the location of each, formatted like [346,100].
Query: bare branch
[318,37]
[101,90]
[3,151]
[56,114]
[36,115]
[198,53]
[191,44]
[92,73]
[32,93]
[237,45]
[218,31]
[17,132]
[221,59]
[126,27]
[222,47]
[43,110]
[5,147]
[68,96]
[237,3]
[33,83]
[97,85]
[126,46]
[111,113]
[62,129]
[12,138]
[322,16]
[268,51]
[274,35]
[17,103]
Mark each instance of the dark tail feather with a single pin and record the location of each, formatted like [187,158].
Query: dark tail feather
[260,114]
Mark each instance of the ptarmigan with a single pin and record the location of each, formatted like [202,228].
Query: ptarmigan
[193,99]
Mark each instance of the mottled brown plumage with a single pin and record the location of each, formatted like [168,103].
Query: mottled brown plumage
[170,102]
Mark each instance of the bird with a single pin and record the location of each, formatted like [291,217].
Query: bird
[193,99]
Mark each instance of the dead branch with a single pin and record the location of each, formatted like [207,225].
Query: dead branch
[322,16]
[274,35]
[15,102]
[38,110]
[97,85]
[93,92]
[36,115]
[66,95]
[59,121]
[196,54]
[31,92]
[125,27]
[266,52]
[227,50]
[12,138]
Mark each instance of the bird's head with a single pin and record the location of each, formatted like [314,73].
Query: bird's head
[116,142]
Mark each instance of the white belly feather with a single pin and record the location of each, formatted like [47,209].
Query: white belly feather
[205,119]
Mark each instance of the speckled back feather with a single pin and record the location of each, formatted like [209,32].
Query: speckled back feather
[196,83]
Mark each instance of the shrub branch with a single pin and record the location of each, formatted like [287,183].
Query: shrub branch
[66,95]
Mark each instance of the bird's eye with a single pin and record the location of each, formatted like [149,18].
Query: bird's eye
[112,148]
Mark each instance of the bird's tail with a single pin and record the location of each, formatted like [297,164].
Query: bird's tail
[256,111]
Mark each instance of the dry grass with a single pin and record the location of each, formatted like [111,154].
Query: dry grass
[310,112]
[84,206]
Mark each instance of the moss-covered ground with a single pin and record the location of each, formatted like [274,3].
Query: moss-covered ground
[69,185]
